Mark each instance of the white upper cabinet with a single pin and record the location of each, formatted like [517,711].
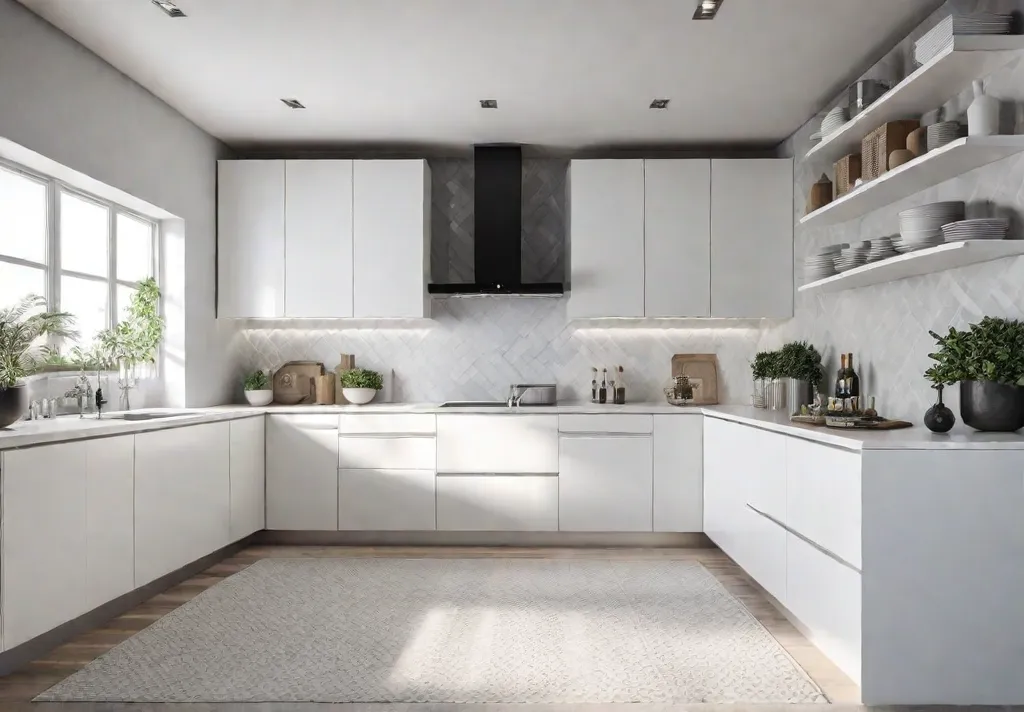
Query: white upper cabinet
[318,239]
[250,239]
[606,222]
[752,238]
[391,216]
[677,238]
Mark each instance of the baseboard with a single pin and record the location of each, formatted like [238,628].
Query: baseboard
[20,655]
[500,539]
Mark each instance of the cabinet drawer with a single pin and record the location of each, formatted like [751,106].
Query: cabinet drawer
[408,453]
[385,500]
[825,596]
[762,552]
[764,463]
[610,423]
[823,500]
[521,503]
[506,443]
[388,424]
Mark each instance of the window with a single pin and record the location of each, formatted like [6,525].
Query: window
[85,255]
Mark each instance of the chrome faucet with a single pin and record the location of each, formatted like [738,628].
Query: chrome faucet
[517,391]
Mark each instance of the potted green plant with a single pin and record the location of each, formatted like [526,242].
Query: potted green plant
[20,355]
[769,388]
[257,388]
[987,360]
[360,385]
[136,338]
[800,363]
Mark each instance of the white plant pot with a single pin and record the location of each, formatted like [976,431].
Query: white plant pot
[359,396]
[259,398]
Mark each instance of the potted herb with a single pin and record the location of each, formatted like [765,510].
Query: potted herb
[257,388]
[987,360]
[20,327]
[360,385]
[135,339]
[800,363]
[768,372]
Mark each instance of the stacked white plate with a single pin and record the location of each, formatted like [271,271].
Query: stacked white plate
[938,135]
[941,36]
[881,248]
[979,229]
[822,264]
[855,255]
[833,121]
[921,227]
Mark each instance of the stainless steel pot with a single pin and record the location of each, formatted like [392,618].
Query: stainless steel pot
[775,393]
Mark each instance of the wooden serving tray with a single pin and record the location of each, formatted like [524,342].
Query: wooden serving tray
[857,424]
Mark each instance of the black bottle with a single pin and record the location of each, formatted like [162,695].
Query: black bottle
[939,418]
[602,392]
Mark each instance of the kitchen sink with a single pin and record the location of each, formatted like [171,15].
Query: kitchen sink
[474,404]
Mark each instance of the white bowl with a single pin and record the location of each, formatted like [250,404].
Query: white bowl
[359,396]
[259,398]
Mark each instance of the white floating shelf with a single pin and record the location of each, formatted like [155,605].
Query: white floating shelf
[934,167]
[970,57]
[915,264]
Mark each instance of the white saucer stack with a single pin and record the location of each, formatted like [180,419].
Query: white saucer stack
[979,229]
[855,255]
[921,227]
[938,135]
[822,264]
[833,121]
[881,248]
[941,36]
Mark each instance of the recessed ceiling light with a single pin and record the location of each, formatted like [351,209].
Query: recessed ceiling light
[660,103]
[169,7]
[488,103]
[707,9]
[293,103]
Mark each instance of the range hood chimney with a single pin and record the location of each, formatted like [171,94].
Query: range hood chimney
[498,241]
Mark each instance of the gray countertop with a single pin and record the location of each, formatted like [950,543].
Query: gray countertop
[67,428]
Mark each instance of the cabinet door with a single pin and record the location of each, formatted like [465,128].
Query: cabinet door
[497,503]
[678,473]
[110,484]
[318,239]
[250,239]
[513,444]
[764,455]
[752,238]
[391,218]
[44,539]
[606,244]
[302,472]
[677,238]
[386,500]
[724,493]
[605,484]
[248,481]
[182,497]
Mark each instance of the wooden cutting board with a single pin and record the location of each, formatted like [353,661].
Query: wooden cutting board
[880,425]
[699,366]
[295,382]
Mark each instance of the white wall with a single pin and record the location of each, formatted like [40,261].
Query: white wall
[62,101]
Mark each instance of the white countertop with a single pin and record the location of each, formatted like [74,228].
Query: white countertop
[67,428]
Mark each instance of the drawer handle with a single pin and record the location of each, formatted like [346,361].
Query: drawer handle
[497,474]
[830,554]
[598,434]
[391,436]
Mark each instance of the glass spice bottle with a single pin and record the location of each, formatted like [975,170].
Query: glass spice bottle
[602,392]
[620,388]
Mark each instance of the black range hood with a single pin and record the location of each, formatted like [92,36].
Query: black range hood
[498,241]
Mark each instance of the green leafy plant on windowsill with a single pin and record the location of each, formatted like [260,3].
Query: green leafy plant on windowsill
[136,339]
[21,326]
[362,378]
[991,350]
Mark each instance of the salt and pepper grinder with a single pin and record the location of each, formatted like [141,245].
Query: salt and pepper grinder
[602,392]
[593,384]
[620,388]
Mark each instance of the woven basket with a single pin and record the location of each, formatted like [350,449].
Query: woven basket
[847,171]
[878,144]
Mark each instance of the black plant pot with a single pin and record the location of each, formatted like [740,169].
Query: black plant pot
[939,418]
[991,406]
[13,404]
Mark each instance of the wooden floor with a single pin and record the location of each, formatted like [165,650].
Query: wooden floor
[18,689]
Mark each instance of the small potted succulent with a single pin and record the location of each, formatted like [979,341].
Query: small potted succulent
[360,385]
[257,388]
[987,360]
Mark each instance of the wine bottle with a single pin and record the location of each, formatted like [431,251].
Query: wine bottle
[852,379]
[620,388]
[840,393]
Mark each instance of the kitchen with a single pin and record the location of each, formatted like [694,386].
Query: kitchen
[288,248]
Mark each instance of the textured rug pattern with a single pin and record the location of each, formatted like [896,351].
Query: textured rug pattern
[451,631]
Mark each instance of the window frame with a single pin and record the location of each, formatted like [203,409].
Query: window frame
[52,268]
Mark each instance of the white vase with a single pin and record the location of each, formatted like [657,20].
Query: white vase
[983,113]
[260,398]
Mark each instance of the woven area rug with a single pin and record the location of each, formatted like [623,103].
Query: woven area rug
[451,631]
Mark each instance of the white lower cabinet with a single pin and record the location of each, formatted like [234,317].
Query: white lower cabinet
[385,500]
[248,476]
[45,550]
[763,552]
[182,497]
[302,472]
[605,483]
[110,518]
[503,443]
[678,473]
[512,503]
[399,452]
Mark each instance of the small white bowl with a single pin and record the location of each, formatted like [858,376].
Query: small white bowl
[359,396]
[259,398]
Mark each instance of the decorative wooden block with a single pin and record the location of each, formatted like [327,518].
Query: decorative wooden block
[848,170]
[878,144]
